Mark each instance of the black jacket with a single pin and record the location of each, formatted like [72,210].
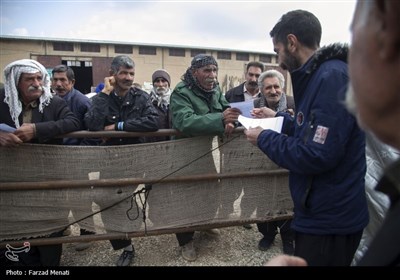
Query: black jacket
[56,119]
[236,94]
[135,111]
[384,250]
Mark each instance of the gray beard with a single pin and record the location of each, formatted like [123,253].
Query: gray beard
[161,91]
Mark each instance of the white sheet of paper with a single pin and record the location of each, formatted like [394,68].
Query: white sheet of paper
[245,107]
[6,128]
[274,124]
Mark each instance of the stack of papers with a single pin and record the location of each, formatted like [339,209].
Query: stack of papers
[274,124]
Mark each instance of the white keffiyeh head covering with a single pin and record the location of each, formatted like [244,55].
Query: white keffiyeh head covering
[161,98]
[12,73]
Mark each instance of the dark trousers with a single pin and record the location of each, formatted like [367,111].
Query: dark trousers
[327,250]
[270,229]
[184,237]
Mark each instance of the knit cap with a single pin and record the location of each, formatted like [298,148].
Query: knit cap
[161,73]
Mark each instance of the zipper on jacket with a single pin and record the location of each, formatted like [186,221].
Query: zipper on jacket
[310,179]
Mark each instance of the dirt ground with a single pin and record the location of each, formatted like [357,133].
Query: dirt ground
[236,246]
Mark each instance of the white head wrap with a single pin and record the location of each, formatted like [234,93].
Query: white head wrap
[12,73]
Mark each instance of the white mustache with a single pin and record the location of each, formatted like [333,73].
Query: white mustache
[32,88]
[161,90]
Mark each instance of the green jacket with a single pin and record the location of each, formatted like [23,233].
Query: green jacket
[193,115]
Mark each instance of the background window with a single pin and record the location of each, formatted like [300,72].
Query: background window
[90,47]
[265,58]
[195,52]
[242,56]
[123,49]
[67,47]
[177,52]
[148,50]
[224,55]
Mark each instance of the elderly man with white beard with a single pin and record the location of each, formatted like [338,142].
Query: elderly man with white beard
[159,96]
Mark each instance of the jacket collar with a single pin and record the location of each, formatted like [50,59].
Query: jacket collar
[333,51]
[301,76]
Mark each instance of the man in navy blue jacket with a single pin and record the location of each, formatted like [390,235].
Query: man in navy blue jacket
[322,146]
[62,82]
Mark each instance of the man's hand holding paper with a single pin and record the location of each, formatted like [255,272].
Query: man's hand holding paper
[263,112]
[230,117]
[252,134]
